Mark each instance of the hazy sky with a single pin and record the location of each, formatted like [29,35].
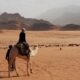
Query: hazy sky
[33,8]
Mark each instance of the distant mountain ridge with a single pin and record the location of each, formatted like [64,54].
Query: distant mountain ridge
[16,21]
[63,16]
[70,27]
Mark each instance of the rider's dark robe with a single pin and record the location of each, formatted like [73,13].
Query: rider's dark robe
[22,38]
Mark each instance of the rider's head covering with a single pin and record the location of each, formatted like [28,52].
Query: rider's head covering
[23,29]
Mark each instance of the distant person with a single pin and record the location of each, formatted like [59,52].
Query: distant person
[7,56]
[8,51]
[60,48]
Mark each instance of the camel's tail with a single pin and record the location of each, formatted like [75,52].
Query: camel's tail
[34,51]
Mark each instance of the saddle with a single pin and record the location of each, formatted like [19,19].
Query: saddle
[23,48]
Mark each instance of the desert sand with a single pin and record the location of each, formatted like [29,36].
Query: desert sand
[50,63]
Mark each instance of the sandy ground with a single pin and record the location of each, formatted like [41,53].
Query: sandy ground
[50,63]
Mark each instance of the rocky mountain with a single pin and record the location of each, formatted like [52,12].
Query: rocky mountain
[70,27]
[63,16]
[16,21]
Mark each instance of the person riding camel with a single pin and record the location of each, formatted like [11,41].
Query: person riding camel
[22,43]
[22,36]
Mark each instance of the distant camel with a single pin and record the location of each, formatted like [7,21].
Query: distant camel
[15,53]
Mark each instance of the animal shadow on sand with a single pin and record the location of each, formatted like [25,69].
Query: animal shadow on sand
[6,76]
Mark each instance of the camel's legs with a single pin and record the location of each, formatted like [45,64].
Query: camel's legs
[28,68]
[16,72]
[14,66]
[8,70]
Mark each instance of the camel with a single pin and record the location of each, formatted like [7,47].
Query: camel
[15,53]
